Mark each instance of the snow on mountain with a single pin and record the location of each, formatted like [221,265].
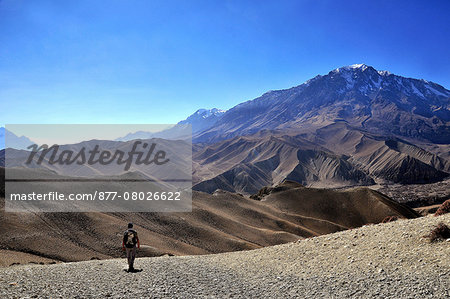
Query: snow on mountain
[377,101]
[203,119]
[200,120]
[206,113]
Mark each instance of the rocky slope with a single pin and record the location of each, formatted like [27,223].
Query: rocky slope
[246,164]
[391,260]
[336,155]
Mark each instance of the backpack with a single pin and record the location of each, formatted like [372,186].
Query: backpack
[130,239]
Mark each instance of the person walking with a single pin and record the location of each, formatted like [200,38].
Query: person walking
[130,240]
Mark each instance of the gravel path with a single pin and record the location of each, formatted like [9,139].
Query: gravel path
[390,260]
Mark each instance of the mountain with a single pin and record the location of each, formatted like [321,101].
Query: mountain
[376,101]
[14,141]
[352,126]
[336,155]
[203,119]
[197,122]
[136,135]
[248,163]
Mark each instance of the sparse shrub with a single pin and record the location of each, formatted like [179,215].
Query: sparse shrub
[444,208]
[389,219]
[262,192]
[439,232]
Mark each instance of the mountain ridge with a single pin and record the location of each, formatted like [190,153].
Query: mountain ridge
[333,156]
[14,141]
[360,95]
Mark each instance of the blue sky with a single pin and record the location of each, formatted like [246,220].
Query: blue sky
[159,61]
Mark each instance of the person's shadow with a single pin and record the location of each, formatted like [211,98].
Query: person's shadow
[133,271]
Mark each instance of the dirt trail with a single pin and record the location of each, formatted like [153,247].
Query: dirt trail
[390,260]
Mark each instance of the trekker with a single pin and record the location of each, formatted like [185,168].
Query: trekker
[130,240]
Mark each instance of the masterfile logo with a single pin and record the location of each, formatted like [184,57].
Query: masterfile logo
[94,156]
[107,174]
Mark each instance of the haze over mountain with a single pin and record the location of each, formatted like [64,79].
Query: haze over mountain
[177,151]
[14,141]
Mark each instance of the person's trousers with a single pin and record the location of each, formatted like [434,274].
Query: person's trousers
[131,255]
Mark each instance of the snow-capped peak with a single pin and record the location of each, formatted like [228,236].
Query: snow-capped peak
[205,113]
[203,119]
[384,73]
[360,66]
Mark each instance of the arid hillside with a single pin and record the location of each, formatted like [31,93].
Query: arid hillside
[336,155]
[219,222]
